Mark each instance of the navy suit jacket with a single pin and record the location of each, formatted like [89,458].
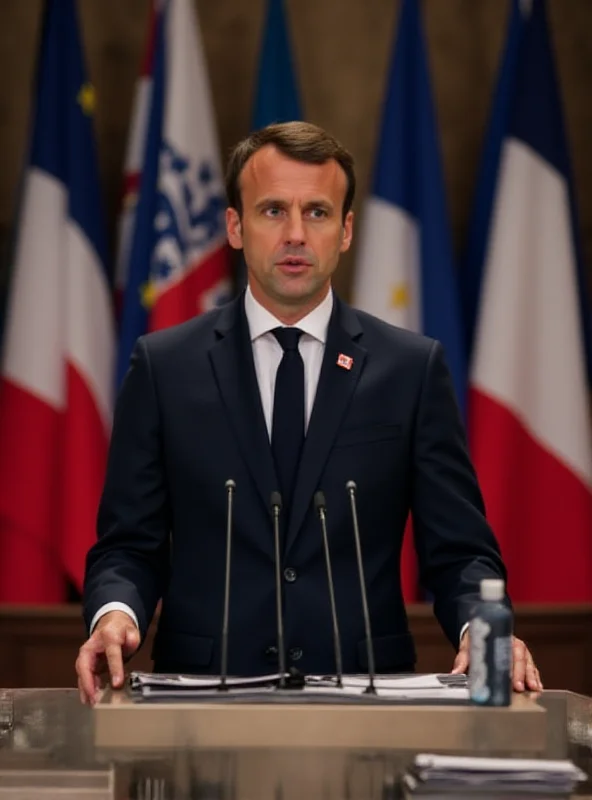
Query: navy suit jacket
[189,417]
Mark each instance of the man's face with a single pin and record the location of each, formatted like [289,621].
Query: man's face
[291,229]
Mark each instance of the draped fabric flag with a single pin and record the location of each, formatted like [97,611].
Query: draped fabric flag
[405,272]
[58,359]
[134,157]
[277,98]
[529,420]
[174,260]
[472,266]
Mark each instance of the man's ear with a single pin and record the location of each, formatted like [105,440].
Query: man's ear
[234,229]
[348,229]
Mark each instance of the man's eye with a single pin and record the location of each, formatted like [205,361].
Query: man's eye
[318,213]
[273,211]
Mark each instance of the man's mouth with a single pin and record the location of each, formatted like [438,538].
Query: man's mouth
[294,261]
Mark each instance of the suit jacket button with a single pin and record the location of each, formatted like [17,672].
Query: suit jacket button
[295,653]
[290,574]
[271,653]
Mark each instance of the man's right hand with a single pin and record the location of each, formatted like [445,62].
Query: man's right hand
[114,638]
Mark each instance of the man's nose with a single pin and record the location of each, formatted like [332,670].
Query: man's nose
[295,234]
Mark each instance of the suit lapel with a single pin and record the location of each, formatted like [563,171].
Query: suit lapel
[234,369]
[334,393]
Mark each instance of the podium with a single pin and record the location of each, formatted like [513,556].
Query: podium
[292,749]
[121,723]
[52,747]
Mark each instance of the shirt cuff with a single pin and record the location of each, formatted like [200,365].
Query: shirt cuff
[462,631]
[115,606]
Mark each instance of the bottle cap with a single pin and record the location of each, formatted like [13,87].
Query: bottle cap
[492,589]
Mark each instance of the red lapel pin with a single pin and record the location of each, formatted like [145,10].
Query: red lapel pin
[344,361]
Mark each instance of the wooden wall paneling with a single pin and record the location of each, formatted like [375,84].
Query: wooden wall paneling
[38,646]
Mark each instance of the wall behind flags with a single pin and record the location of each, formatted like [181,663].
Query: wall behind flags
[341,49]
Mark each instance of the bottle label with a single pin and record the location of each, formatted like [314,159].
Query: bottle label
[479,688]
[502,660]
[502,653]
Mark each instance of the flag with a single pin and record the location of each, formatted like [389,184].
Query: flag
[529,422]
[57,367]
[177,259]
[472,266]
[134,157]
[405,272]
[277,98]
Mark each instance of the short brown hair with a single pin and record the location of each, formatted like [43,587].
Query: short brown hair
[301,141]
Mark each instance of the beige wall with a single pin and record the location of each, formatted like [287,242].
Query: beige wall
[341,49]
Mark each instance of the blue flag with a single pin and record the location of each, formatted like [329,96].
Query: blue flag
[405,272]
[276,98]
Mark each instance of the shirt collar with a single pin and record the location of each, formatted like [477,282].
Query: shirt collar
[315,323]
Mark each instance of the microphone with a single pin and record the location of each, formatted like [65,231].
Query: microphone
[351,488]
[230,486]
[276,505]
[321,507]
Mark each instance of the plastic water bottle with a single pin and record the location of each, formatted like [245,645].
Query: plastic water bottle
[490,668]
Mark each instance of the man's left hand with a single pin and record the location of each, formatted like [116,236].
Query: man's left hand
[524,672]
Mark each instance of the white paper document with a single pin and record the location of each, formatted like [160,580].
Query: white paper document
[409,682]
[436,773]
[514,766]
[420,688]
[390,692]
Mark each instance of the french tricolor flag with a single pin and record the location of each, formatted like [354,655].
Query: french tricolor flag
[57,369]
[174,260]
[529,415]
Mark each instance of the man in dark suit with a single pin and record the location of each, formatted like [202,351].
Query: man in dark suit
[289,389]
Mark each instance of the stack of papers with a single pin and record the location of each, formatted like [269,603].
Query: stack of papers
[416,688]
[436,776]
[154,683]
[419,688]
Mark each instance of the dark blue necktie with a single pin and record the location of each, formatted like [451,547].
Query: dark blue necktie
[287,430]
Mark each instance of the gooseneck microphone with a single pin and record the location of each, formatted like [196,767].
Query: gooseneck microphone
[276,506]
[351,489]
[230,486]
[321,507]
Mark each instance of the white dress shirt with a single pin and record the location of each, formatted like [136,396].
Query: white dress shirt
[267,351]
[267,354]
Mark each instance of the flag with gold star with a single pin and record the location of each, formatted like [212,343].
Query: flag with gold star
[57,369]
[405,271]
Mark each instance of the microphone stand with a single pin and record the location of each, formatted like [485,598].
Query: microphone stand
[230,486]
[351,489]
[319,500]
[276,505]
